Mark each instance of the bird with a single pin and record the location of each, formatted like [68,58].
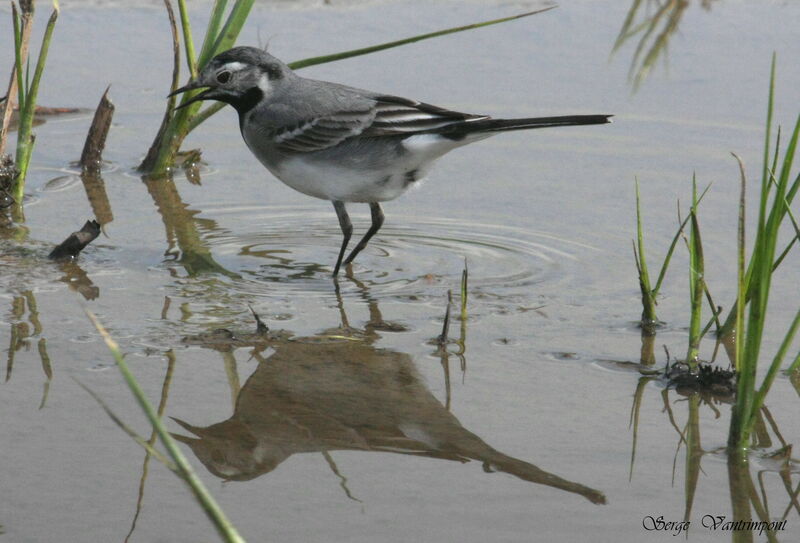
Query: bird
[340,143]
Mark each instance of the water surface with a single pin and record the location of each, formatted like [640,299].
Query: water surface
[349,422]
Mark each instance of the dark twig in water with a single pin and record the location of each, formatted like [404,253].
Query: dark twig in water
[76,242]
[91,161]
[92,155]
[446,325]
[261,328]
[464,280]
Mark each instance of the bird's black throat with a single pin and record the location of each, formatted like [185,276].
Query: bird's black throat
[246,101]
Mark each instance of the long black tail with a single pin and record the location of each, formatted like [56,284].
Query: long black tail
[458,131]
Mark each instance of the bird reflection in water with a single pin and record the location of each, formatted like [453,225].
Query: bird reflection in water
[337,392]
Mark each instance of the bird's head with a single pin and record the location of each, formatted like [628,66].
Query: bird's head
[241,77]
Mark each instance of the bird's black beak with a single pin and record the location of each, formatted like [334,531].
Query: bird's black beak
[208,94]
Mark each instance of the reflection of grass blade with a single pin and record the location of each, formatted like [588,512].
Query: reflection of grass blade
[46,367]
[633,423]
[694,454]
[212,510]
[464,279]
[162,405]
[182,227]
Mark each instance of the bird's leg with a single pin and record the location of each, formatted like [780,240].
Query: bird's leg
[347,231]
[377,222]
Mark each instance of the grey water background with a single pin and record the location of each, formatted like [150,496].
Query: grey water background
[544,218]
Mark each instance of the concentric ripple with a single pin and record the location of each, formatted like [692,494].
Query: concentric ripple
[297,248]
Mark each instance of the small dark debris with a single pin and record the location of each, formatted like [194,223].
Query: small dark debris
[386,326]
[708,378]
[7,175]
[224,340]
[6,200]
[76,242]
[261,328]
[563,355]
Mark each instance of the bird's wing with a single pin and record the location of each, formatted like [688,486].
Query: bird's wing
[322,132]
[383,116]
[396,116]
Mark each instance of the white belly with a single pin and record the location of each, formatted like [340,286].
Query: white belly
[330,182]
[365,175]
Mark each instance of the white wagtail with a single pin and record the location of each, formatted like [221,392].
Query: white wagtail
[340,143]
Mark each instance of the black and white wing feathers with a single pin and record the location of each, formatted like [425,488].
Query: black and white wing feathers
[386,116]
[323,132]
[396,116]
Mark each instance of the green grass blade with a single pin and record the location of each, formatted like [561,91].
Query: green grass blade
[211,508]
[696,282]
[649,317]
[714,319]
[770,109]
[202,116]
[663,272]
[233,25]
[735,435]
[661,42]
[765,184]
[296,65]
[783,254]
[776,364]
[25,138]
[212,31]
[792,220]
[15,19]
[188,42]
[624,33]
[795,366]
[777,153]
[33,90]
[142,442]
[649,26]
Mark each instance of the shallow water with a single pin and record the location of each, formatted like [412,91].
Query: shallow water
[351,424]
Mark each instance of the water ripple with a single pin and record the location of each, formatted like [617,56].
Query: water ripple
[296,247]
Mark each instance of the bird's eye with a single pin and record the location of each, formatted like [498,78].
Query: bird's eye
[224,77]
